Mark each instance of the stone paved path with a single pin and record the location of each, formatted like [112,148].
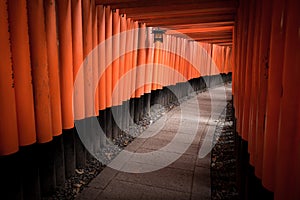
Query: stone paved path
[189,127]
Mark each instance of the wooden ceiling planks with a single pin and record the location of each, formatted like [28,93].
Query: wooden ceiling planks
[202,20]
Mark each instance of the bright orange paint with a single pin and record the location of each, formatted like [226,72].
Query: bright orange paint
[123,29]
[18,26]
[52,54]
[95,56]
[101,39]
[135,36]
[9,131]
[141,60]
[65,62]
[77,51]
[108,55]
[115,53]
[87,34]
[40,73]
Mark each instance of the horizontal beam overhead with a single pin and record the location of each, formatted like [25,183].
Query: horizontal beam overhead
[159,4]
[173,14]
[180,9]
[165,22]
[201,30]
[202,20]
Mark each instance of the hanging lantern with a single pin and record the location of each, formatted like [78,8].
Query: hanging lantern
[158,35]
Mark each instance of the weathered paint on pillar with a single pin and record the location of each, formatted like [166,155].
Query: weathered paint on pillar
[87,34]
[77,51]
[141,60]
[108,55]
[101,39]
[40,73]
[116,53]
[288,140]
[9,133]
[65,62]
[277,40]
[53,65]
[18,27]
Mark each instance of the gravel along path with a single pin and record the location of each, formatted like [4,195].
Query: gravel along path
[223,161]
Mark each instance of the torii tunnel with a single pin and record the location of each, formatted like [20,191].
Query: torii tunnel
[68,66]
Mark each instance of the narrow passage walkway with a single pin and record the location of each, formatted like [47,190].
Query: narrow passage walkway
[189,127]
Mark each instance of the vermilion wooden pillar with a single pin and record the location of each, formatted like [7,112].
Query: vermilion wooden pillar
[287,175]
[125,104]
[141,60]
[65,61]
[149,60]
[242,66]
[233,63]
[188,57]
[101,40]
[169,59]
[56,167]
[128,58]
[123,29]
[115,71]
[108,55]
[129,67]
[297,151]
[177,60]
[159,69]
[181,59]
[253,85]
[66,81]
[263,59]
[52,50]
[173,58]
[155,65]
[18,26]
[101,71]
[115,54]
[135,36]
[108,71]
[9,133]
[77,51]
[95,54]
[40,75]
[248,68]
[41,85]
[135,103]
[275,63]
[87,35]
[238,69]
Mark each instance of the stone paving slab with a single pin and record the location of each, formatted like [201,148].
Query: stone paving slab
[186,178]
[167,178]
[130,191]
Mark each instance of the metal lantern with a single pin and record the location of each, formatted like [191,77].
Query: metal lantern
[158,35]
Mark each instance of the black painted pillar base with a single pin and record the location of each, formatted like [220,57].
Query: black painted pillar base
[137,109]
[69,152]
[108,130]
[80,151]
[30,172]
[46,168]
[249,186]
[147,99]
[131,110]
[10,173]
[102,122]
[59,160]
[125,114]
